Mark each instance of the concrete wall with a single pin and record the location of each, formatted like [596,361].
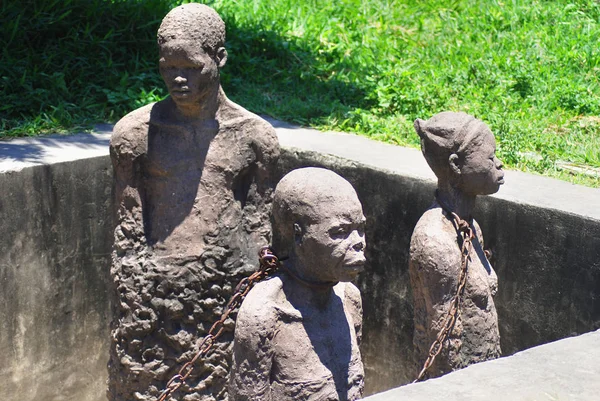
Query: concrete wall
[55,243]
[54,256]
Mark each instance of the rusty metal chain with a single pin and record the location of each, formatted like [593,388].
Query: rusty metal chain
[269,264]
[464,230]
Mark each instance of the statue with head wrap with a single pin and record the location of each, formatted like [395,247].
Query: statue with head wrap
[460,150]
[193,185]
[297,334]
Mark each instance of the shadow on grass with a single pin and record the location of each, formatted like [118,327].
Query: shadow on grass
[97,60]
[288,78]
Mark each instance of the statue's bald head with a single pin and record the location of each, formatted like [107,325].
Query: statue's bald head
[306,196]
[193,22]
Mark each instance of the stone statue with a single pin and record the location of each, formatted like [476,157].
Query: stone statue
[297,334]
[193,192]
[461,152]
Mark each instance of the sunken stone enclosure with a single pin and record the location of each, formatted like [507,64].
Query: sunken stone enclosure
[56,238]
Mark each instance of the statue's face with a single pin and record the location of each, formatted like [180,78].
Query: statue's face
[333,248]
[481,172]
[188,71]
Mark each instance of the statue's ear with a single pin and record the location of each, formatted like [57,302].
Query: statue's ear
[418,124]
[453,162]
[221,57]
[298,233]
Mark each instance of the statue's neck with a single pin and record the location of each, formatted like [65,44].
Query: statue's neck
[456,200]
[205,110]
[306,289]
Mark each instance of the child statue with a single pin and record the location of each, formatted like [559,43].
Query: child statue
[193,184]
[448,268]
[297,334]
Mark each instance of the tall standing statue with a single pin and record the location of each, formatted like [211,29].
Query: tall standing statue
[193,191]
[297,334]
[453,283]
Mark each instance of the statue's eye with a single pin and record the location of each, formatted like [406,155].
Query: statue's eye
[196,66]
[337,232]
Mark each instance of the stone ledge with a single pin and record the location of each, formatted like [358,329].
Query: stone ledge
[520,187]
[565,370]
[19,153]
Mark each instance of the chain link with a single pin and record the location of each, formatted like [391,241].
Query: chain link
[269,264]
[464,230]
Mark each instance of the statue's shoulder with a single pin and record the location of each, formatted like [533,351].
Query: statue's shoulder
[260,307]
[434,233]
[131,132]
[247,124]
[430,222]
[234,115]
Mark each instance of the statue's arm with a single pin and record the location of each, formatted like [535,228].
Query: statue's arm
[492,277]
[435,265]
[257,182]
[129,231]
[253,351]
[267,153]
[354,301]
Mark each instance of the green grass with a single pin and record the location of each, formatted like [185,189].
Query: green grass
[530,69]
[69,63]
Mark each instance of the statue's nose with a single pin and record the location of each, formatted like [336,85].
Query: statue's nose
[180,80]
[358,242]
[499,163]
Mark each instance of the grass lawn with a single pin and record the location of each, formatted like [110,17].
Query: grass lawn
[530,69]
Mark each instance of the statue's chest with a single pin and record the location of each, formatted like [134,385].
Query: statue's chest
[321,347]
[197,156]
[481,280]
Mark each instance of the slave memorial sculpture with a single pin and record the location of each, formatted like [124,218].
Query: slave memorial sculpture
[452,281]
[193,185]
[297,333]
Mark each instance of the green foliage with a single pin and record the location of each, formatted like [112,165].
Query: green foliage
[530,69]
[68,63]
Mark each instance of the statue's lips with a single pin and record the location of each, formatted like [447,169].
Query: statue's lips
[357,266]
[179,92]
[501,180]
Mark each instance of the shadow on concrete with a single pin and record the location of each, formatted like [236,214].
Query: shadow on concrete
[278,123]
[35,150]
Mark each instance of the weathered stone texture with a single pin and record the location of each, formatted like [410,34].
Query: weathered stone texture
[55,236]
[297,334]
[461,152]
[546,255]
[436,261]
[193,189]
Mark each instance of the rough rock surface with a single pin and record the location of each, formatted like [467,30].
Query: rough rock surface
[435,266]
[461,151]
[193,190]
[297,334]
